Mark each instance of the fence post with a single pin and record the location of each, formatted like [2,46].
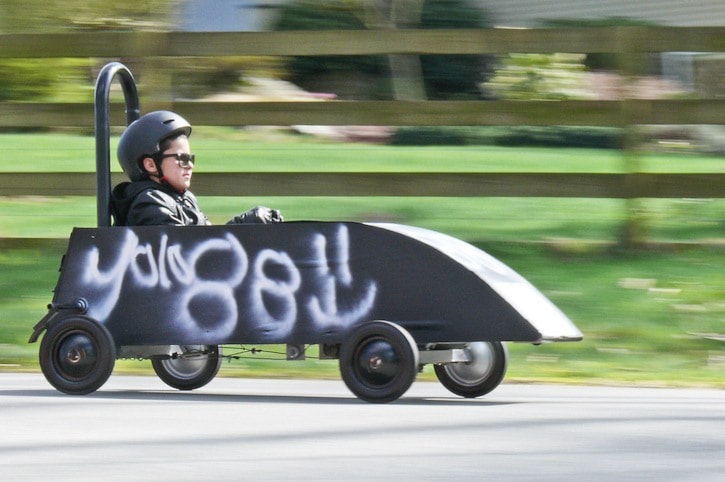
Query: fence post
[633,231]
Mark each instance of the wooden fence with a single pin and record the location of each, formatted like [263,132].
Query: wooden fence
[625,41]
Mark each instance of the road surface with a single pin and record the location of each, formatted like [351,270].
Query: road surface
[135,428]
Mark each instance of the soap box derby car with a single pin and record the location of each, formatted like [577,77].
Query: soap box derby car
[383,299]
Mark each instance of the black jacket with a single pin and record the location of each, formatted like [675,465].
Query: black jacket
[145,203]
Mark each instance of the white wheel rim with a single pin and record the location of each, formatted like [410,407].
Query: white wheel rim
[477,370]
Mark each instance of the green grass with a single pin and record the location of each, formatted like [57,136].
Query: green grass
[643,313]
[480,219]
[473,219]
[221,150]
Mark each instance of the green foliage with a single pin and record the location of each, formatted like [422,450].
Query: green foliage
[48,79]
[306,71]
[562,136]
[454,76]
[25,79]
[203,76]
[58,15]
[444,76]
[430,136]
[538,77]
[320,15]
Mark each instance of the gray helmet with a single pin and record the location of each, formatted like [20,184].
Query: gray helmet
[143,138]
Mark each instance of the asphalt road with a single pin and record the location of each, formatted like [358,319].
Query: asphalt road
[135,428]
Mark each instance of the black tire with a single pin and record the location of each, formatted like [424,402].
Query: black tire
[196,366]
[479,376]
[379,361]
[77,355]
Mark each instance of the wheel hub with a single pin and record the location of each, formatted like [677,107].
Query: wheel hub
[378,363]
[476,370]
[375,363]
[77,355]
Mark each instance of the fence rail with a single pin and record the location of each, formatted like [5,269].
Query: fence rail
[391,113]
[115,44]
[626,41]
[465,184]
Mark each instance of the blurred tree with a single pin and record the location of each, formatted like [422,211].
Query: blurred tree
[42,79]
[444,76]
[347,76]
[454,76]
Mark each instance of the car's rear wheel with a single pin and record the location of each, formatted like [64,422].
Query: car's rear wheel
[191,366]
[477,377]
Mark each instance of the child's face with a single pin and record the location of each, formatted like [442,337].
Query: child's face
[178,177]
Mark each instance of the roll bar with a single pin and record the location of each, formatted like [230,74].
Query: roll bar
[103,131]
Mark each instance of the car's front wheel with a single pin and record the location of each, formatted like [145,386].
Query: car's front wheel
[77,355]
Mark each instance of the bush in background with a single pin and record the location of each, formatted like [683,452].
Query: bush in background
[25,79]
[561,136]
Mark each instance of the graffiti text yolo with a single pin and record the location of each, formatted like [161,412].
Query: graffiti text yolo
[270,302]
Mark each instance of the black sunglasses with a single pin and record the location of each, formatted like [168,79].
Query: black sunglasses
[182,159]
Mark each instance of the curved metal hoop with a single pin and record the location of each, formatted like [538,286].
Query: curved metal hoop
[103,131]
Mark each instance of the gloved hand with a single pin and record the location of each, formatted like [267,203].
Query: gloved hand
[259,215]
